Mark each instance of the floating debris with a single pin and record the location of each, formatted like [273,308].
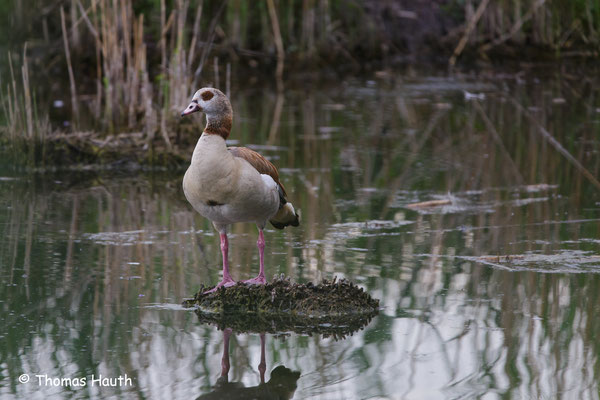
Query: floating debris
[430,203]
[473,96]
[332,308]
[498,259]
[540,187]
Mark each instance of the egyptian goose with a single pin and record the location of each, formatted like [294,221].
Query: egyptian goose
[232,184]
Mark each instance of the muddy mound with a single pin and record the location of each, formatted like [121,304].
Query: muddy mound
[336,307]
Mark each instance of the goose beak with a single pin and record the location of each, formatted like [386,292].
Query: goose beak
[192,108]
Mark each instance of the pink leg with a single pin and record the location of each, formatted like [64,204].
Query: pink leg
[260,279]
[227,280]
[262,367]
[225,359]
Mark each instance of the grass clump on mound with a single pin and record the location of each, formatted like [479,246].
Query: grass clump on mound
[327,299]
[336,307]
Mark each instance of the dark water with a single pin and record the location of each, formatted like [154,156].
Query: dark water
[493,294]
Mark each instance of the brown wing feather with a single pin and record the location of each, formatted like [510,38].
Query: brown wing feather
[261,164]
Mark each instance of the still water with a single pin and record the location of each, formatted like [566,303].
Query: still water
[491,293]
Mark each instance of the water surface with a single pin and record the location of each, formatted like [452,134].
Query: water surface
[491,293]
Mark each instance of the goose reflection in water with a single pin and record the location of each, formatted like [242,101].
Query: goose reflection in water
[280,386]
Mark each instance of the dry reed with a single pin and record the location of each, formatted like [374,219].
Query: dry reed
[74,102]
[23,121]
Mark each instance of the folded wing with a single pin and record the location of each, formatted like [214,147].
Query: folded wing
[286,214]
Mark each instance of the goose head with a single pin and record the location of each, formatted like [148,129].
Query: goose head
[211,101]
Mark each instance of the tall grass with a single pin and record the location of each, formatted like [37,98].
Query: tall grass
[26,129]
[131,66]
[136,94]
[134,90]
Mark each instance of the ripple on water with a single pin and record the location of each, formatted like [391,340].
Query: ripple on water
[125,238]
[348,230]
[165,306]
